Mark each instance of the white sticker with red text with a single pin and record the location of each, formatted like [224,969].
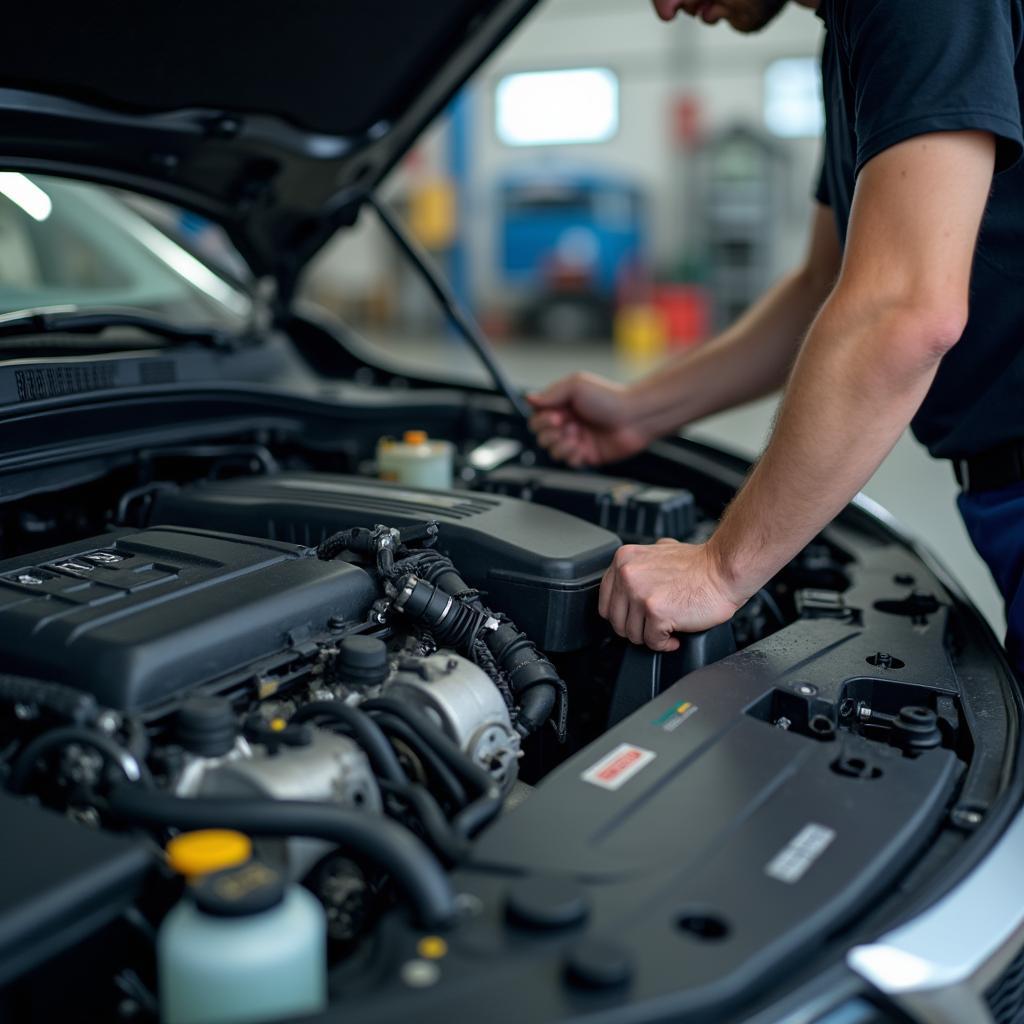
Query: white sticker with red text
[615,769]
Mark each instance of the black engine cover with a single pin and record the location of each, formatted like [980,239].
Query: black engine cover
[538,565]
[680,865]
[136,617]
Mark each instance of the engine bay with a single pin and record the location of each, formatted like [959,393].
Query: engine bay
[407,697]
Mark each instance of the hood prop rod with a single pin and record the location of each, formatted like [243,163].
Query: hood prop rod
[459,318]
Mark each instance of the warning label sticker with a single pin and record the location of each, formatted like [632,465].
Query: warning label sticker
[615,769]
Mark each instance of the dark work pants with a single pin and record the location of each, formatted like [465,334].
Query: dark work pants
[995,521]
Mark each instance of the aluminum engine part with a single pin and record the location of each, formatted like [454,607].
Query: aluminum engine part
[461,698]
[331,769]
[195,768]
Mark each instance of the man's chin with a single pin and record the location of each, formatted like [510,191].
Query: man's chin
[748,22]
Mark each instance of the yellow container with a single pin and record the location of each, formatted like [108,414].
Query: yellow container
[640,334]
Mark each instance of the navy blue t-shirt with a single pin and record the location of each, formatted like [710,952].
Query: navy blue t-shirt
[895,69]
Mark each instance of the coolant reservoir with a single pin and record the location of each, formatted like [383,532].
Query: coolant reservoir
[242,946]
[416,460]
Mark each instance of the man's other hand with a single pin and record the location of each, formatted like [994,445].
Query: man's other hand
[584,420]
[653,591]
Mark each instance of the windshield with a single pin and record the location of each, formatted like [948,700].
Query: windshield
[71,243]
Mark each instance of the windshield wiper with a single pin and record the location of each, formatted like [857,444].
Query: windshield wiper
[76,320]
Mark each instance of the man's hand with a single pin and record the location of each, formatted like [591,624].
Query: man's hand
[652,591]
[584,420]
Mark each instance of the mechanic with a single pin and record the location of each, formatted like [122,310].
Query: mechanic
[920,207]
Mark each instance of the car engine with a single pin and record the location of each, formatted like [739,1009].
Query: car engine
[400,693]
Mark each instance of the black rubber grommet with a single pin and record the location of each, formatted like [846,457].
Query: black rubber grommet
[362,660]
[546,903]
[206,726]
[595,963]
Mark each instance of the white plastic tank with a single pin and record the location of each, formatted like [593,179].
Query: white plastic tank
[242,946]
[416,460]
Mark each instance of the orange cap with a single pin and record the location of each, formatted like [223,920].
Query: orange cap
[415,437]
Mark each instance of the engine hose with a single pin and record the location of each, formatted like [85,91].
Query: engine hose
[25,764]
[489,801]
[461,764]
[364,729]
[432,592]
[451,620]
[62,701]
[344,540]
[449,846]
[405,857]
[426,753]
[471,819]
[535,708]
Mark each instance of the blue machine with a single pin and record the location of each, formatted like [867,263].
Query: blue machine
[569,234]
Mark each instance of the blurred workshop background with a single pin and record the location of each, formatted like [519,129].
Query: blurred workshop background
[610,190]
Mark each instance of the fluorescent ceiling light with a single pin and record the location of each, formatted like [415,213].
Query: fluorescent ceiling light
[25,194]
[546,108]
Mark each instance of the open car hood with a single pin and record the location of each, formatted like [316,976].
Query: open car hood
[272,120]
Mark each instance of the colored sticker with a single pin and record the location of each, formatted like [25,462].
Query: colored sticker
[615,769]
[675,716]
[794,860]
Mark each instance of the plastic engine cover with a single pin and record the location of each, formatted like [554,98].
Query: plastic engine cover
[677,865]
[538,565]
[136,617]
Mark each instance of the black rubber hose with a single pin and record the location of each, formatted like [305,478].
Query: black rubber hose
[60,700]
[133,769]
[355,539]
[473,817]
[450,846]
[414,868]
[442,600]
[364,729]
[453,757]
[428,755]
[535,707]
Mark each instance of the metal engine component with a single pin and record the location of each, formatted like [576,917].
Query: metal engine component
[330,769]
[461,698]
[195,768]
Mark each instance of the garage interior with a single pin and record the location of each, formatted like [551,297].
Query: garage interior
[337,685]
[683,93]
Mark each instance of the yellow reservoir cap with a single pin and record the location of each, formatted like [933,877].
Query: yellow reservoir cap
[432,947]
[210,849]
[415,437]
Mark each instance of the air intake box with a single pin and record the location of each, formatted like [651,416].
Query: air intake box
[637,512]
[540,566]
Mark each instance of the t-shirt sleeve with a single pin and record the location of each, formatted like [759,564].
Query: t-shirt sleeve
[920,66]
[821,192]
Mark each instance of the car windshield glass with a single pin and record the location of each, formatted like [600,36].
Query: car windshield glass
[65,243]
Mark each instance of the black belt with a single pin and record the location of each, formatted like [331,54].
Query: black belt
[992,470]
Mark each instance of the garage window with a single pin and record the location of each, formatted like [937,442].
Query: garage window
[547,108]
[792,98]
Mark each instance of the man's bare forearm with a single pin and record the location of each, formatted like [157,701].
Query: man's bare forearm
[858,382]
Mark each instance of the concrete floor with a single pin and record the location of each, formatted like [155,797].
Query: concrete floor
[917,490]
